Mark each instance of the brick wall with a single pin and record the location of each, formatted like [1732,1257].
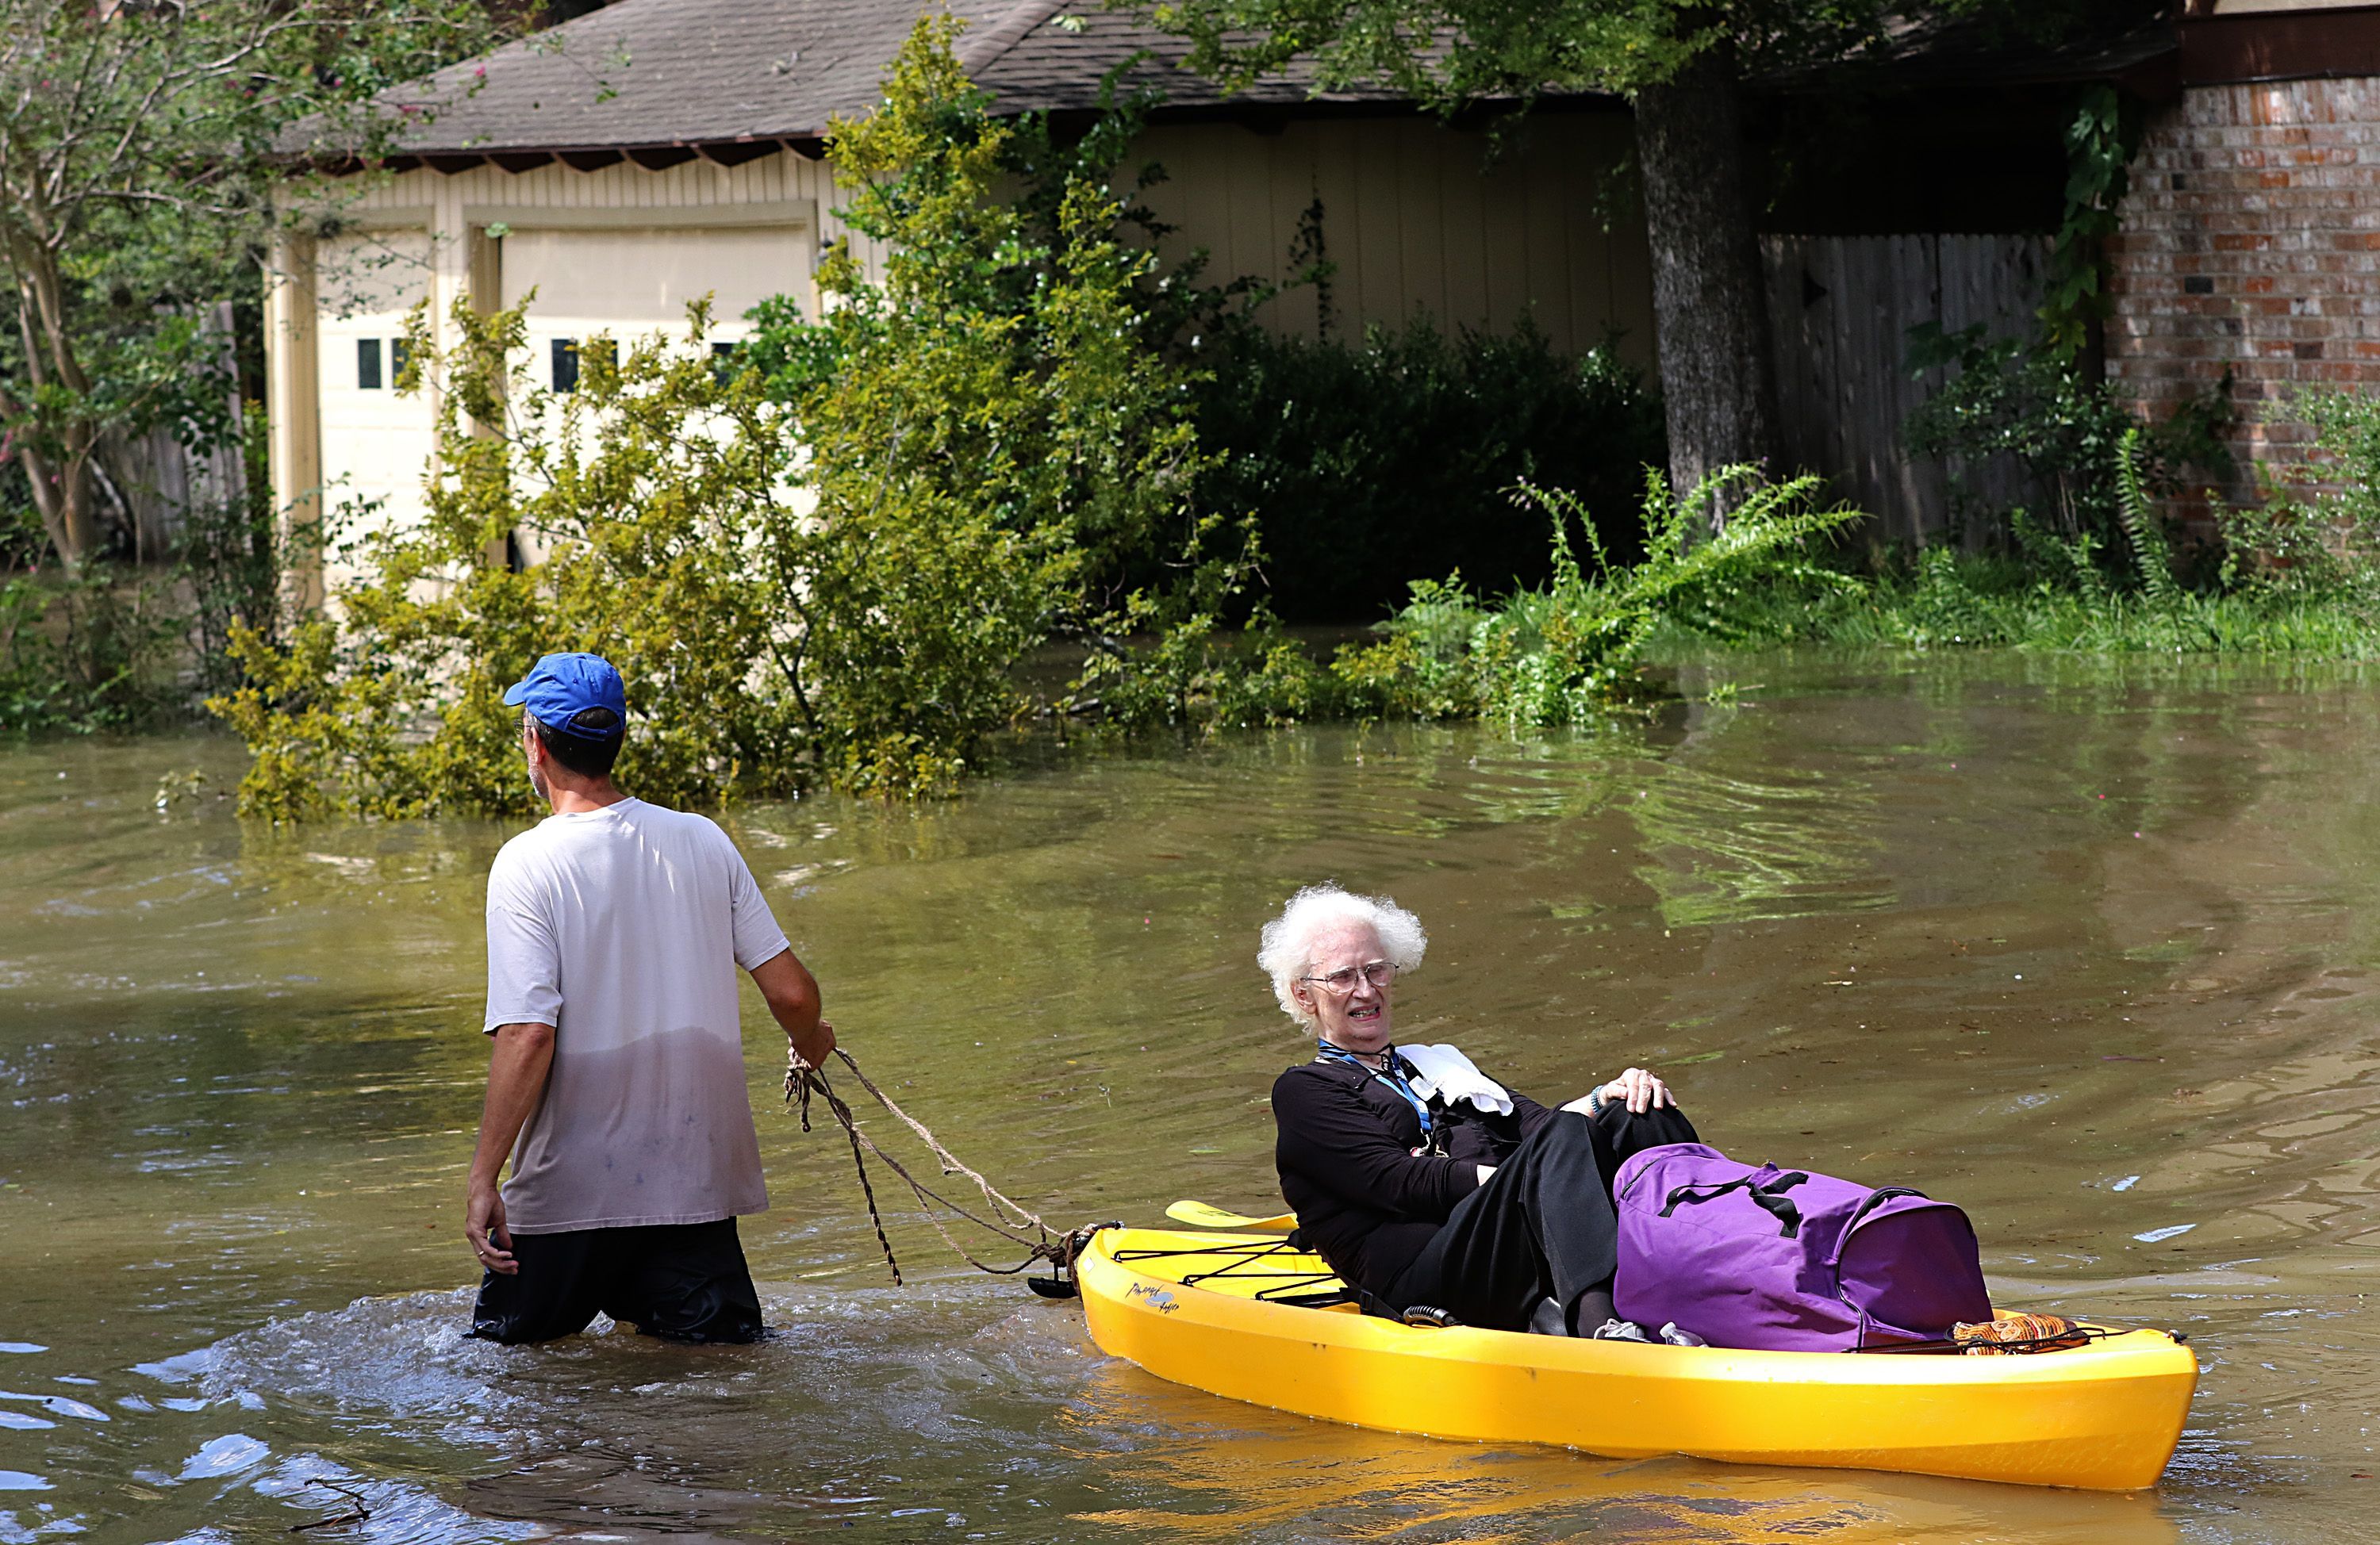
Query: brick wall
[2252,240]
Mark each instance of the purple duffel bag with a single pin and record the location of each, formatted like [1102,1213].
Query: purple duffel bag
[1788,1260]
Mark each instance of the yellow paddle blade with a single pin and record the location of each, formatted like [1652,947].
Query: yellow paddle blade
[1198,1214]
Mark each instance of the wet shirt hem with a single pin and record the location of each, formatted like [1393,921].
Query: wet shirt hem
[645,1220]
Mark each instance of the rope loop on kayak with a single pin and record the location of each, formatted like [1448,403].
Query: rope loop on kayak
[1009,1219]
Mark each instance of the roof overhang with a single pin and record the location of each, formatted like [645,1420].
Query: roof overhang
[2316,43]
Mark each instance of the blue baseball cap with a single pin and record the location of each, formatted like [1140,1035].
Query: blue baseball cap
[559,688]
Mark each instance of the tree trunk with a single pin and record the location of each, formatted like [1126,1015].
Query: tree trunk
[1718,377]
[43,483]
[61,491]
[61,482]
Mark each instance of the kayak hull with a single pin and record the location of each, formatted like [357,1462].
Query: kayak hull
[2105,1416]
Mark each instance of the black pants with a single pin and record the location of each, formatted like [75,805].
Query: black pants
[1542,1226]
[682,1282]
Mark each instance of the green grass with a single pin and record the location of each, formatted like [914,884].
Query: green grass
[1954,600]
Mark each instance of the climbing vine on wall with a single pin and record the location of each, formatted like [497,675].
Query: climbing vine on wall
[2099,147]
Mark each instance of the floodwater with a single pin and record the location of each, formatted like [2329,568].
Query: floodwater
[2092,949]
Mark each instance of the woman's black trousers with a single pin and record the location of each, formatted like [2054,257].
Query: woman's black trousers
[1542,1226]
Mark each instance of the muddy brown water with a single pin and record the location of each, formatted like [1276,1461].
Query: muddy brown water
[2091,950]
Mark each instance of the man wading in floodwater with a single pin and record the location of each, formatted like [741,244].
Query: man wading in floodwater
[614,930]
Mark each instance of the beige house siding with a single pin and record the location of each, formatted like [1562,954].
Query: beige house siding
[1421,218]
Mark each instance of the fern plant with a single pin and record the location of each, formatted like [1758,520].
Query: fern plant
[2151,552]
[1567,652]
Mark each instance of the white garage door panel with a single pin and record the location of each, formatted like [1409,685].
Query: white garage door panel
[376,442]
[608,279]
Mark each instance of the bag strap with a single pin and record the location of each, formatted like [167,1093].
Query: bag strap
[1875,1199]
[1770,1198]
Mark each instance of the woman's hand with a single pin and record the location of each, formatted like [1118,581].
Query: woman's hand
[1639,1090]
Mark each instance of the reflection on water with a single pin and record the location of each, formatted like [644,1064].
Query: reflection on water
[1239,1475]
[2089,949]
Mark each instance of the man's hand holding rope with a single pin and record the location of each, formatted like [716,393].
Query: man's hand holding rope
[814,1048]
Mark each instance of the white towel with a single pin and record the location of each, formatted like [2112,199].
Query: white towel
[1446,1074]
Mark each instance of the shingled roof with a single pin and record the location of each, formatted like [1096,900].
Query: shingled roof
[663,81]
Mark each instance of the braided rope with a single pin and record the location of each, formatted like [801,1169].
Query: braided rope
[802,1078]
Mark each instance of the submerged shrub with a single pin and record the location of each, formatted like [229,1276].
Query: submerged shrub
[116,645]
[1567,652]
[89,650]
[624,518]
[2070,430]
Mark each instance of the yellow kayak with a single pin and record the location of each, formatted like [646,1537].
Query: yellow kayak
[1231,1314]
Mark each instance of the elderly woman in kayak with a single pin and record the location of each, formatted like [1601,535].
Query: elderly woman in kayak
[1422,1181]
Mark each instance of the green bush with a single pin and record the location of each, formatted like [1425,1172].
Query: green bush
[2318,539]
[2069,431]
[1372,465]
[95,649]
[118,646]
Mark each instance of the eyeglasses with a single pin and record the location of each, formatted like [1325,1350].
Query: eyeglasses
[1340,983]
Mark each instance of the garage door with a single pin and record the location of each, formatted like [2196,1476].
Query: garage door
[636,281]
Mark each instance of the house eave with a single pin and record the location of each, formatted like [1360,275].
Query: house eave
[653,155]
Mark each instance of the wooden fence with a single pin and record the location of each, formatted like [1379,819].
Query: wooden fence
[1841,309]
[153,482]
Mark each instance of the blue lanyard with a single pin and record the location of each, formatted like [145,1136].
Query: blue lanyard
[1393,1077]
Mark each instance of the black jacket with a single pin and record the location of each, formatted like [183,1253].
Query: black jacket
[1365,1200]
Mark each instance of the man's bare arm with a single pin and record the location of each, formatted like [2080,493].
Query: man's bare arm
[793,995]
[523,1055]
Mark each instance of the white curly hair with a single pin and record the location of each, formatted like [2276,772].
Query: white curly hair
[1286,949]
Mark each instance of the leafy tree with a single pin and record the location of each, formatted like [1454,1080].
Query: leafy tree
[1686,65]
[136,147]
[991,431]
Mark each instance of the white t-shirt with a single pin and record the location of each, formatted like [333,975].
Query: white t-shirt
[623,928]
